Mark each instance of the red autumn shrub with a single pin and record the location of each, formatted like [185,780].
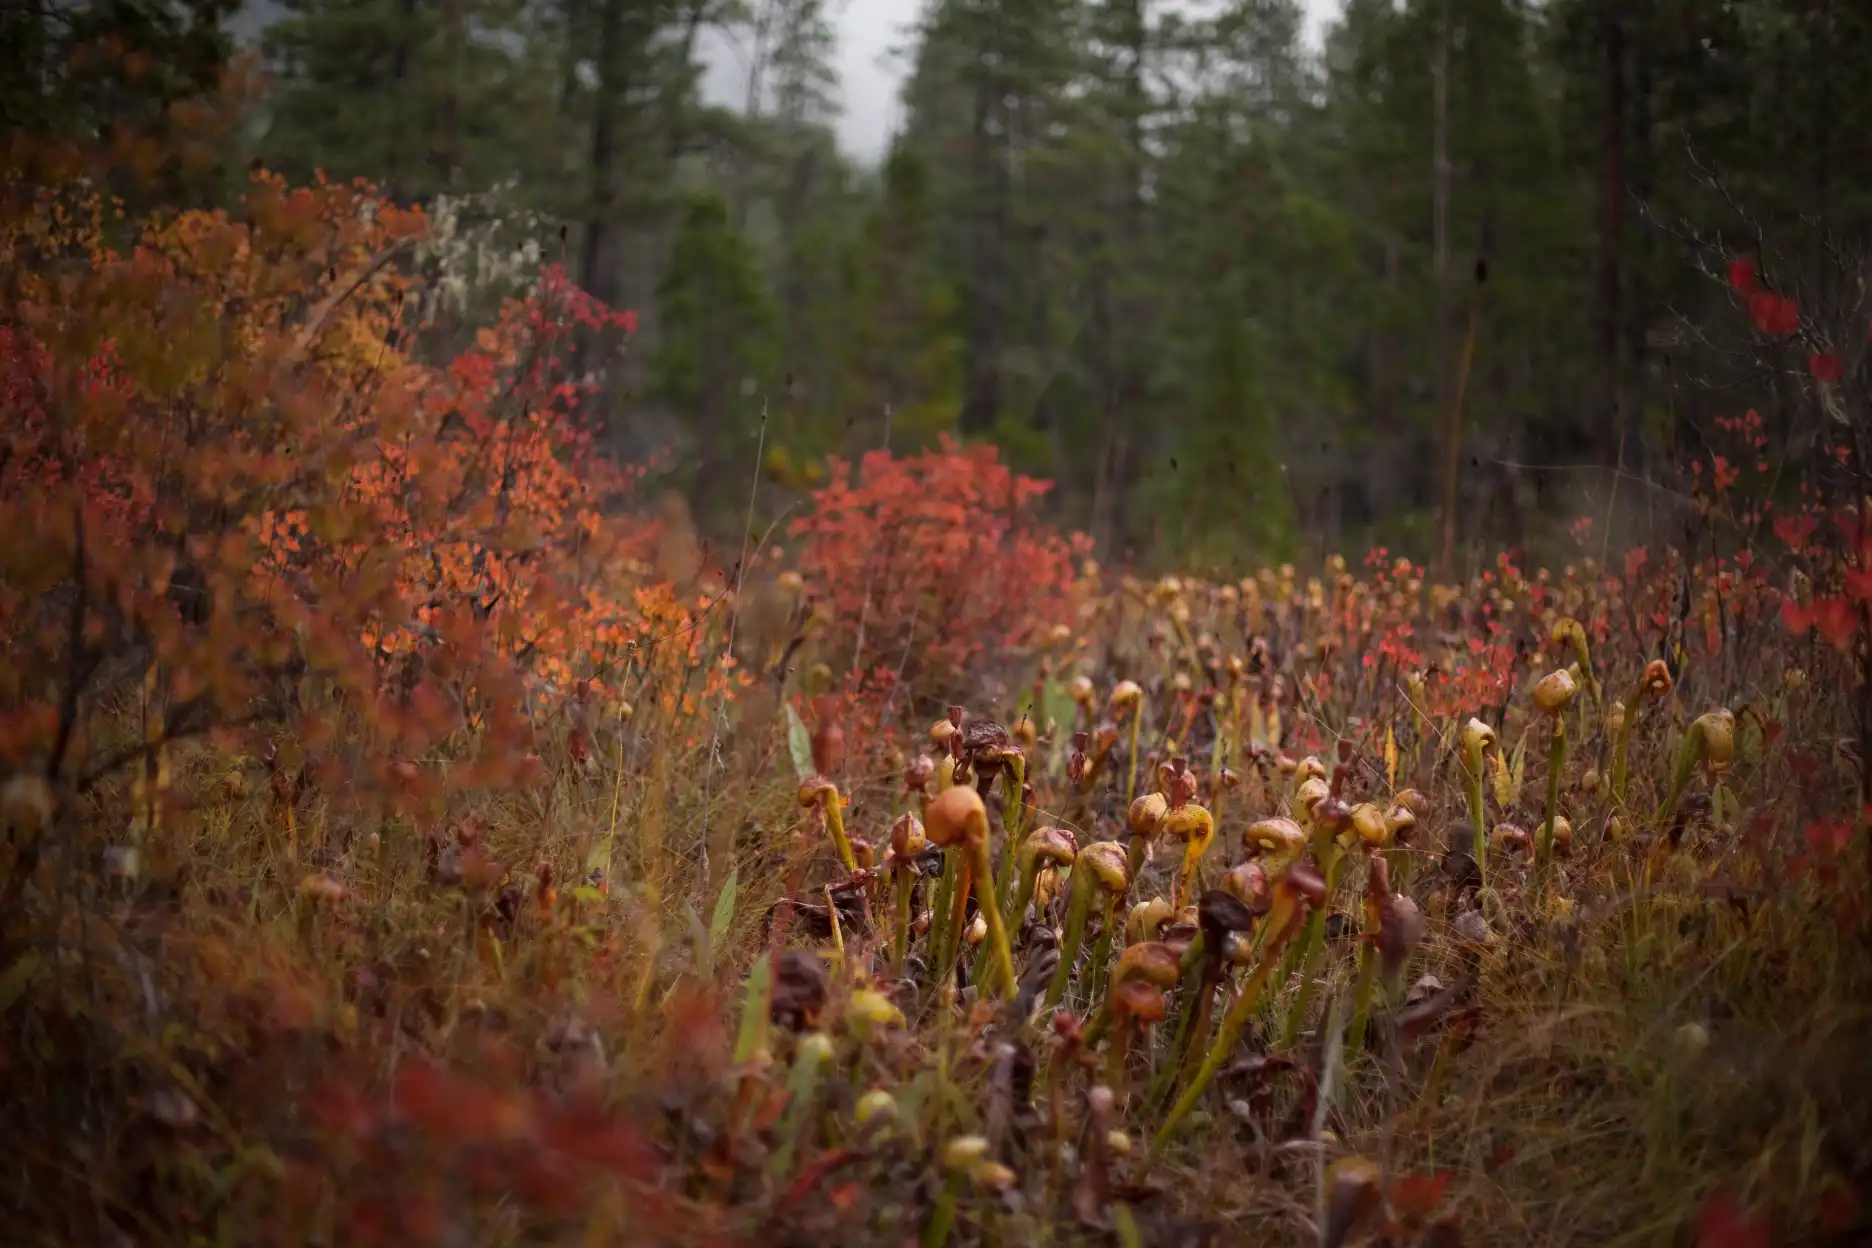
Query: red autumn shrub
[933,561]
[238,467]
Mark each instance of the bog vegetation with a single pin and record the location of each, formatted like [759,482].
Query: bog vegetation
[411,836]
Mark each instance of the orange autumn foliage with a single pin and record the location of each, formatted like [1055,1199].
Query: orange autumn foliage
[932,561]
[241,474]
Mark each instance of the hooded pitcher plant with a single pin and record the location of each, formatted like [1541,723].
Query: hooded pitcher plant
[1655,683]
[1299,890]
[1085,697]
[1709,743]
[907,843]
[917,776]
[1109,931]
[1333,825]
[1195,827]
[1569,632]
[1393,926]
[1010,763]
[1185,821]
[958,822]
[1133,1005]
[1100,867]
[1224,918]
[1277,841]
[1043,847]
[1145,819]
[1146,920]
[1401,825]
[1153,962]
[1553,695]
[820,792]
[1312,791]
[1478,741]
[1128,696]
[1371,826]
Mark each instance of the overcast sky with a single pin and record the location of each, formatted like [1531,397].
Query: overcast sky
[873,57]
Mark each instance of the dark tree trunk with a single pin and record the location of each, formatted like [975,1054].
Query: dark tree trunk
[1131,384]
[402,66]
[1611,220]
[598,265]
[446,154]
[981,397]
[1635,391]
[1449,490]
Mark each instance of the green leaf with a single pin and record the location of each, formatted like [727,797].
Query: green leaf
[724,912]
[1520,764]
[1056,707]
[599,857]
[752,1039]
[1126,1226]
[799,743]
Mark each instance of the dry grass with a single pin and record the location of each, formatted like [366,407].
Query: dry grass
[216,1050]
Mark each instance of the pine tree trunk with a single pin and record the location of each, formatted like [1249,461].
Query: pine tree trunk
[1611,220]
[597,272]
[1440,349]
[1634,299]
[981,397]
[402,65]
[1128,407]
[446,154]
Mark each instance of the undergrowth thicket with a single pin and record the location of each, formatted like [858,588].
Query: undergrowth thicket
[406,842]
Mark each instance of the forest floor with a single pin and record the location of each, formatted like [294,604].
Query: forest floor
[1328,977]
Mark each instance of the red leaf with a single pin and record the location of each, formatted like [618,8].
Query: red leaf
[1828,839]
[453,1110]
[1836,620]
[419,1093]
[828,737]
[1721,1223]
[1795,530]
[1825,366]
[1774,314]
[541,1182]
[587,1134]
[1418,1195]
[341,1108]
[811,1174]
[1742,275]
[1859,586]
[1797,618]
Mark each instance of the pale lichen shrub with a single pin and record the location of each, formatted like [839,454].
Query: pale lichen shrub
[481,247]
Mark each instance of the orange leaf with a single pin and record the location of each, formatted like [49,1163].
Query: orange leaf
[1418,1195]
